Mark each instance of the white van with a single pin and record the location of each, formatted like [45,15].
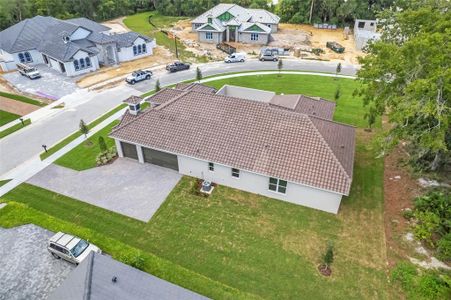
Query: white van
[235,57]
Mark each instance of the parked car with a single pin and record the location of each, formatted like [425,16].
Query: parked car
[29,71]
[139,75]
[70,248]
[336,47]
[235,57]
[268,55]
[177,66]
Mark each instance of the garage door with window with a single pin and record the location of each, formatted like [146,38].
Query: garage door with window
[129,150]
[160,158]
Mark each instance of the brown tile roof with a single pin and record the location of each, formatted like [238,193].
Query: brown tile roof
[133,100]
[305,105]
[163,96]
[249,135]
[195,87]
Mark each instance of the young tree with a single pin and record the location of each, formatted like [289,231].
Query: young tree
[198,74]
[157,86]
[83,128]
[337,70]
[280,65]
[102,145]
[337,94]
[328,256]
[407,76]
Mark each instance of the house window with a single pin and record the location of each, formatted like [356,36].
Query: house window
[135,50]
[82,63]
[88,62]
[76,65]
[277,185]
[269,25]
[139,49]
[28,57]
[235,173]
[361,25]
[21,58]
[211,166]
[254,36]
[208,35]
[144,48]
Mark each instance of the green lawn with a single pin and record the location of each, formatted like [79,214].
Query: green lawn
[139,23]
[77,133]
[14,128]
[22,99]
[6,117]
[241,241]
[84,155]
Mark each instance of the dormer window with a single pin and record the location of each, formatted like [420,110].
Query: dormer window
[210,20]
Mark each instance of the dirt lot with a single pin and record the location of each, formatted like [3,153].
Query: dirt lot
[117,25]
[16,107]
[289,36]
[161,56]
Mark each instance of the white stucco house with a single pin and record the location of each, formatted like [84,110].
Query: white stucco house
[72,47]
[365,31]
[282,146]
[232,23]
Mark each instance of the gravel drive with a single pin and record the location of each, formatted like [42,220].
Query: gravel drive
[27,270]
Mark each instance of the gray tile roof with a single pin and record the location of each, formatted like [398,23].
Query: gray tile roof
[45,34]
[92,280]
[249,135]
[245,27]
[263,16]
[89,24]
[307,105]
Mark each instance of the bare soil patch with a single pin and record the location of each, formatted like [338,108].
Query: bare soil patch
[117,25]
[400,188]
[160,56]
[16,107]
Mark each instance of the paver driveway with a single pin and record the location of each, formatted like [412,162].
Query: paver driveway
[27,270]
[126,186]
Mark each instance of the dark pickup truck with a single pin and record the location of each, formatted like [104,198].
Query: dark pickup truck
[177,66]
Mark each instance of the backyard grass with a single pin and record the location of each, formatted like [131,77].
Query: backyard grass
[22,99]
[84,155]
[14,128]
[6,117]
[76,134]
[139,23]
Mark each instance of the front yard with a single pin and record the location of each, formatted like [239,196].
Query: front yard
[240,245]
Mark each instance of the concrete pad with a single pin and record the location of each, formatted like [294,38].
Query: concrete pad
[52,84]
[126,186]
[28,271]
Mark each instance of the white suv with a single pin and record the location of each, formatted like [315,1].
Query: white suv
[70,248]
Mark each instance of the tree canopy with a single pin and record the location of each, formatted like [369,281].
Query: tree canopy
[407,76]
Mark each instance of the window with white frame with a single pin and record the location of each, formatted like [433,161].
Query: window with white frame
[82,63]
[254,36]
[235,173]
[76,65]
[144,48]
[208,35]
[211,166]
[25,57]
[135,50]
[277,185]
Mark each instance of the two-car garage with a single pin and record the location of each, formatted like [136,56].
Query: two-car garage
[151,156]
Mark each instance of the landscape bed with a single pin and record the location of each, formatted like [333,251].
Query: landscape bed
[242,242]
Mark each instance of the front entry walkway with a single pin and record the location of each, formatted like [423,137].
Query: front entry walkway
[126,186]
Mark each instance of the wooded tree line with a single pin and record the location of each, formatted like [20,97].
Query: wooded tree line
[13,11]
[292,11]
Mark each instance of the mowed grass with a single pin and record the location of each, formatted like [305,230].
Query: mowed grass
[246,242]
[349,108]
[22,99]
[140,23]
[6,117]
[14,128]
[84,155]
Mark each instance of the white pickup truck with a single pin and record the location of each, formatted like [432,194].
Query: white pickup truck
[29,71]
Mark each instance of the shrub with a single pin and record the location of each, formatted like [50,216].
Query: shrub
[404,273]
[428,224]
[106,156]
[317,51]
[444,247]
[102,145]
[439,203]
[134,259]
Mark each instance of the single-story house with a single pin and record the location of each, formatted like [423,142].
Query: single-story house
[99,277]
[233,23]
[282,146]
[72,47]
